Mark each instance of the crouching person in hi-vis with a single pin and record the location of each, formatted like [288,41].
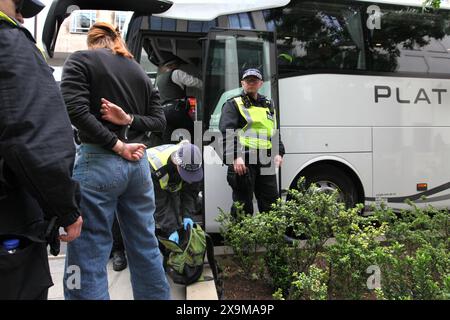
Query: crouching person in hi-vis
[176,170]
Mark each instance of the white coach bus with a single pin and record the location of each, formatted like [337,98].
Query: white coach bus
[362,87]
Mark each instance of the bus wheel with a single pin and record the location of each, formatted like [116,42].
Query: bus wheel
[330,178]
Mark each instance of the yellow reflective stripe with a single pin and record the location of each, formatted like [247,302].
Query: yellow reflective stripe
[255,143]
[158,158]
[243,110]
[42,52]
[3,16]
[258,131]
[253,134]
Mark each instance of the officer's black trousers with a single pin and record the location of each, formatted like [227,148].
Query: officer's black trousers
[117,237]
[262,185]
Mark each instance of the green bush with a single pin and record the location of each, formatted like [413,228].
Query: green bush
[356,248]
[417,265]
[246,234]
[410,249]
[309,287]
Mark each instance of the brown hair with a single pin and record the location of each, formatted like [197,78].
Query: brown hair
[104,35]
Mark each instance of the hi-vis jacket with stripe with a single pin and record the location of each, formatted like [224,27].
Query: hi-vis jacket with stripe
[158,158]
[174,198]
[257,120]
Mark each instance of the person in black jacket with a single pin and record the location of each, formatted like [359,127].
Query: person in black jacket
[113,173]
[172,83]
[37,193]
[258,151]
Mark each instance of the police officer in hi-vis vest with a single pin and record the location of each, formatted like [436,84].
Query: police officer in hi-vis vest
[37,193]
[176,170]
[253,157]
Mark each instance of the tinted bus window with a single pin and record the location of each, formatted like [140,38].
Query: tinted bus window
[201,26]
[162,24]
[410,40]
[333,37]
[241,21]
[317,35]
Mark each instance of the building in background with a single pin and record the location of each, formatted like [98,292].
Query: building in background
[73,33]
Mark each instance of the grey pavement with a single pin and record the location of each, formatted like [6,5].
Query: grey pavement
[120,286]
[118,282]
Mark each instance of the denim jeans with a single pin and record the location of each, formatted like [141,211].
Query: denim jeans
[112,184]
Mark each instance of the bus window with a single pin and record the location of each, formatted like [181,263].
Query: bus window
[241,21]
[316,35]
[411,40]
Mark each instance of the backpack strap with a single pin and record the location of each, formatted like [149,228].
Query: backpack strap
[216,270]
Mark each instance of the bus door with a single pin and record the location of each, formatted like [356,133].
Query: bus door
[227,53]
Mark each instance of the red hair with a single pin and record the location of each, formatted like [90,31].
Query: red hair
[104,35]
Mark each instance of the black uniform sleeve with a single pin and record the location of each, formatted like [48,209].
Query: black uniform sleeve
[154,119]
[189,194]
[229,119]
[36,140]
[76,92]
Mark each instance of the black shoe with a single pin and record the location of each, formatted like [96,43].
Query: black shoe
[119,260]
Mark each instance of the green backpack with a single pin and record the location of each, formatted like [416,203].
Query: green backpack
[185,260]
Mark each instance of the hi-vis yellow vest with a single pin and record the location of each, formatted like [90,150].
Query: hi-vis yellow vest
[5,17]
[158,158]
[260,127]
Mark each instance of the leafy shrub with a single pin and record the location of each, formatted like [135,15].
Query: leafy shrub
[411,249]
[356,249]
[417,265]
[309,287]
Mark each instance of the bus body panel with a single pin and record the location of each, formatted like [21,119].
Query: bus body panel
[326,139]
[351,100]
[410,156]
[215,173]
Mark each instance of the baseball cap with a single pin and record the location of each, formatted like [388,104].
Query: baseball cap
[30,8]
[252,72]
[189,160]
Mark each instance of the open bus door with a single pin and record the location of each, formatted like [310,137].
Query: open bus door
[61,9]
[227,53]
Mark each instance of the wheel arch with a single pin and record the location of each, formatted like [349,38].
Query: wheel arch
[340,164]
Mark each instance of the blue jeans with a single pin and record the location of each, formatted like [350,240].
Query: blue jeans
[112,184]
